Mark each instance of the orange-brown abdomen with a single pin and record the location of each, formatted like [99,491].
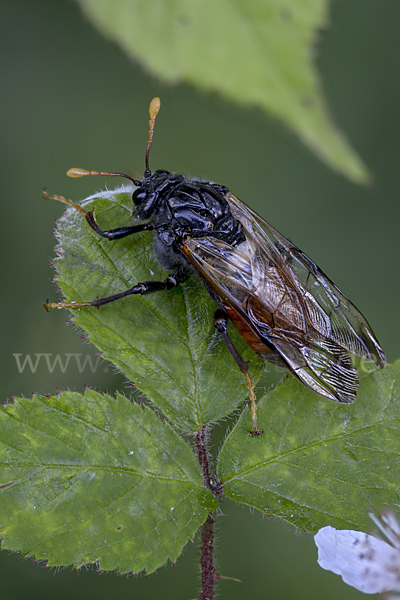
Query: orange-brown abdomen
[245,330]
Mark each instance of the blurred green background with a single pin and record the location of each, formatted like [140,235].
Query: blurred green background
[69,98]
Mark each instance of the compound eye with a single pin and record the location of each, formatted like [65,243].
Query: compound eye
[139,196]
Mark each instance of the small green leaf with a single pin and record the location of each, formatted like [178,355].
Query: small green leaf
[93,479]
[164,342]
[318,462]
[254,52]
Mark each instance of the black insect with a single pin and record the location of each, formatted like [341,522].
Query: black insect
[283,305]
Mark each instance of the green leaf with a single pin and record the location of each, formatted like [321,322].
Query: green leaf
[254,52]
[93,479]
[164,342]
[318,462]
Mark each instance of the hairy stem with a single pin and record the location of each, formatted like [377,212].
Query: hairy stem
[202,456]
[208,577]
[207,559]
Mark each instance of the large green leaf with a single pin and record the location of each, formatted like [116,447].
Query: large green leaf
[255,52]
[319,463]
[164,342]
[96,479]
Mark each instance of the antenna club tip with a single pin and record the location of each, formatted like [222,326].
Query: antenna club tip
[155,105]
[77,172]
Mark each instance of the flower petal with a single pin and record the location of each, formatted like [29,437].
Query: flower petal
[363,561]
[389,526]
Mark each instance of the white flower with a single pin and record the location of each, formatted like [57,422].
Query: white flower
[367,563]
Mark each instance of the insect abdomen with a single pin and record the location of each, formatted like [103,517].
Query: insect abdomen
[251,338]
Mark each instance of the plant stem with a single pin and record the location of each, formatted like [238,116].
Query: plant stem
[207,559]
[207,529]
[202,456]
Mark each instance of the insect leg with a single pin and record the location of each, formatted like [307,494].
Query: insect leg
[141,288]
[112,234]
[220,324]
[119,232]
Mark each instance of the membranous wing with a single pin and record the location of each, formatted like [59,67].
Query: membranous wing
[288,302]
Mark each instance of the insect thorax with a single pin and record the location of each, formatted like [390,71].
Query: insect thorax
[180,207]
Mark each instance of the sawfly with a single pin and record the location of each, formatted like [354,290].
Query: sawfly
[286,309]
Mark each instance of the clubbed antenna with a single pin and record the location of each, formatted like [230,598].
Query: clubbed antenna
[76,172]
[153,112]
